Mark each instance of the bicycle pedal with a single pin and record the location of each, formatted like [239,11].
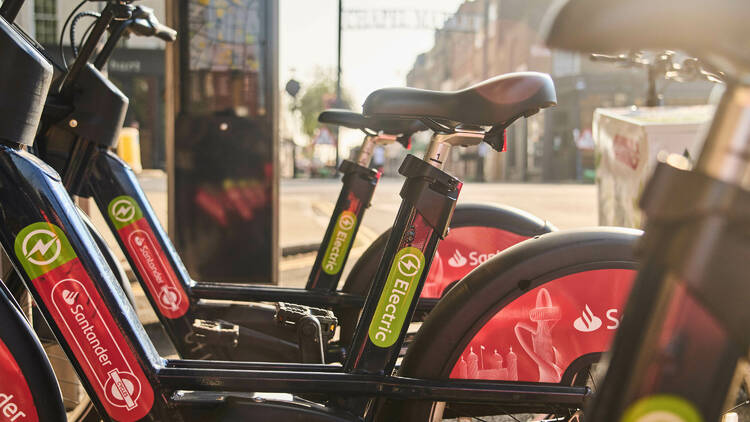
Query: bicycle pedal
[291,315]
[220,332]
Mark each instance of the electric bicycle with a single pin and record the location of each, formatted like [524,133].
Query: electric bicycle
[195,315]
[127,380]
[461,137]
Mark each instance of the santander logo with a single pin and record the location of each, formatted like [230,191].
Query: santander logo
[475,258]
[457,260]
[587,322]
[69,297]
[10,408]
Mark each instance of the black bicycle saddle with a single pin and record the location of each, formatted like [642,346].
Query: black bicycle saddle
[352,120]
[707,29]
[495,102]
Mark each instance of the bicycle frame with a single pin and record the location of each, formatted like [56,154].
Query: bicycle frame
[78,275]
[90,170]
[152,256]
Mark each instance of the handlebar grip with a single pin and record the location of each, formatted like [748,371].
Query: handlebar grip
[144,23]
[152,28]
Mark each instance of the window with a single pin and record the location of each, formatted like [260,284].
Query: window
[45,20]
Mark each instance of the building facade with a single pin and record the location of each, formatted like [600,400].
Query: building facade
[548,146]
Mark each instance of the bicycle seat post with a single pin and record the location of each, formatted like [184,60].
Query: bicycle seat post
[441,143]
[365,152]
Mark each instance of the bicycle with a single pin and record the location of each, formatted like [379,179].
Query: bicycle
[532,395]
[127,380]
[80,153]
[514,299]
[680,350]
[523,281]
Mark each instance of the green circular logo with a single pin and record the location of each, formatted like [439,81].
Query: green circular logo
[662,408]
[124,210]
[41,247]
[347,220]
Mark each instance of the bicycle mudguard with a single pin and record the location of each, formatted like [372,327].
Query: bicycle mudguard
[28,391]
[542,333]
[478,232]
[535,312]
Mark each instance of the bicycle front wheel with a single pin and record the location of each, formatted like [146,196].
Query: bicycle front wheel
[541,311]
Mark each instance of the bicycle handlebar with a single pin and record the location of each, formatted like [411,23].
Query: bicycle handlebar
[142,22]
[119,16]
[689,70]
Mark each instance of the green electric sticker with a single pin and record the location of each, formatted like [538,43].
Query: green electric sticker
[399,290]
[662,408]
[42,247]
[341,237]
[123,210]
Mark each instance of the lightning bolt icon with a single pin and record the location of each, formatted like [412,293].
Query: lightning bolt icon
[409,264]
[41,247]
[123,211]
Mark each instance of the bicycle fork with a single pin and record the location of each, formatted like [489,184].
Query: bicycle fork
[684,331]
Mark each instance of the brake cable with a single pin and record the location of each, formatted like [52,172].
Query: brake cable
[62,32]
[85,34]
[73,24]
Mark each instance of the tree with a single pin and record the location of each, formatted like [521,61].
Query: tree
[319,96]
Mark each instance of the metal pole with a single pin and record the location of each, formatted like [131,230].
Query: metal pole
[338,87]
